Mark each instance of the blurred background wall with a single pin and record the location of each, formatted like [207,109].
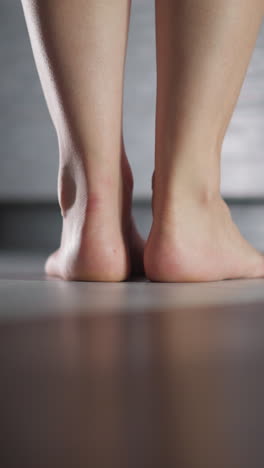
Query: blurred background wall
[29,154]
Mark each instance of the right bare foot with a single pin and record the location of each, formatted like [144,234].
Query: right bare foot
[196,240]
[99,240]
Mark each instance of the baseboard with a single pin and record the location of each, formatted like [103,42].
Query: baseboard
[36,226]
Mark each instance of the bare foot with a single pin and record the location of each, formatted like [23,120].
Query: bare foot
[99,240]
[196,240]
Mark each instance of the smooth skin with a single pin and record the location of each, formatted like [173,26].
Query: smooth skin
[203,50]
[79,48]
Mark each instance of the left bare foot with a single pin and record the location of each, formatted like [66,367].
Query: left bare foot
[99,239]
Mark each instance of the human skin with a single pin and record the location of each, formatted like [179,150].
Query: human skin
[203,51]
[79,48]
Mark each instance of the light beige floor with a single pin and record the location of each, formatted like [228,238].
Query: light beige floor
[26,292]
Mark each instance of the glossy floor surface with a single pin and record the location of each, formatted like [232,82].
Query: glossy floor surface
[161,388]
[131,375]
[134,374]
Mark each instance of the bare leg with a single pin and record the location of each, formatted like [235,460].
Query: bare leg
[79,48]
[203,50]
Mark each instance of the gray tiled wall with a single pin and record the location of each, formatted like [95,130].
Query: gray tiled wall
[29,155]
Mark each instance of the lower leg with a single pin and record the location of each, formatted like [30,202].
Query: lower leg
[79,49]
[203,50]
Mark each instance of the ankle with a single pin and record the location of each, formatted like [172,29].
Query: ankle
[177,190]
[182,201]
[188,173]
[107,193]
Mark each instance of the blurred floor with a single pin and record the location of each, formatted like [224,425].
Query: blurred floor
[134,374]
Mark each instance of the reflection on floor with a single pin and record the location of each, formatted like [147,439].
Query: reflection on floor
[130,375]
[133,380]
